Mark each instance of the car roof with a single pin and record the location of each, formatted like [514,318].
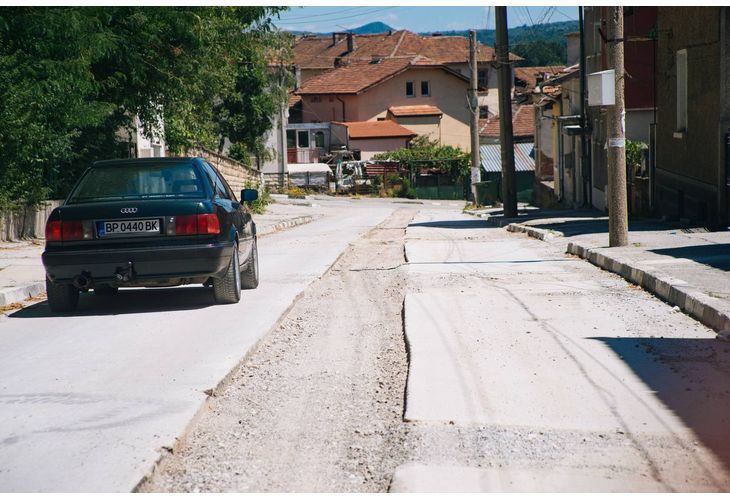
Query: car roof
[143,161]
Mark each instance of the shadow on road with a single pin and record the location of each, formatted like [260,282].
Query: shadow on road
[691,377]
[717,256]
[131,301]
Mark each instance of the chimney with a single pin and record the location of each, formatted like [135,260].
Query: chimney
[350,43]
[334,39]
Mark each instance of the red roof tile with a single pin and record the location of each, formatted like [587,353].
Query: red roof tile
[356,77]
[376,129]
[421,110]
[317,52]
[523,123]
[529,75]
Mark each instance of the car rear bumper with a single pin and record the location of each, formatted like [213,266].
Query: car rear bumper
[147,264]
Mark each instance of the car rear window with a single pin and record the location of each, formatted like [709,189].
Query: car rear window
[122,182]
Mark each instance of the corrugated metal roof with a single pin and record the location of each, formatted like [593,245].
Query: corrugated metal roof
[491,156]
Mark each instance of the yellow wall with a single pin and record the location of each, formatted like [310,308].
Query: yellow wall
[448,93]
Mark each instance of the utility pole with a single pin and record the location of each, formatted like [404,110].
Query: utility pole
[618,222]
[474,107]
[584,123]
[509,188]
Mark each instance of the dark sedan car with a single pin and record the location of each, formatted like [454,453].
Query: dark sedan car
[149,223]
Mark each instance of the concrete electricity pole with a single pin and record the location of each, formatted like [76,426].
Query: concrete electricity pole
[474,107]
[509,188]
[618,221]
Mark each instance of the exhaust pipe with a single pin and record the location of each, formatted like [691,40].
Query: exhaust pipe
[82,282]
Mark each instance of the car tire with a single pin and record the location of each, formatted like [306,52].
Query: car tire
[105,290]
[61,298]
[227,290]
[250,277]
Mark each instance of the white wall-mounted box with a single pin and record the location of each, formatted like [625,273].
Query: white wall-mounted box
[601,88]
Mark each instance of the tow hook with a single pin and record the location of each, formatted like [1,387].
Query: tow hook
[125,273]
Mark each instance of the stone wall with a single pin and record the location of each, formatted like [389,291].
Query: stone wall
[236,174]
[26,223]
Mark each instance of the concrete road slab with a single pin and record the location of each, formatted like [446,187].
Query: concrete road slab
[419,478]
[486,359]
[88,400]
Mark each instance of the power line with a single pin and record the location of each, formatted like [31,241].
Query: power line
[345,17]
[325,14]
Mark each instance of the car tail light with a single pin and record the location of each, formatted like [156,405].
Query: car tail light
[72,230]
[208,224]
[53,230]
[197,224]
[186,224]
[68,230]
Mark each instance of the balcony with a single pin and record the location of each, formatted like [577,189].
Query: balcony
[303,155]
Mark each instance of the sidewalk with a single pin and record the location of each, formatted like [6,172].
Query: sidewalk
[685,265]
[21,271]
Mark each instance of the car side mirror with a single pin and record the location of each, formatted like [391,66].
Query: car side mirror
[249,195]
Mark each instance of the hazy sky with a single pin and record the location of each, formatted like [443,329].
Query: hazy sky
[417,19]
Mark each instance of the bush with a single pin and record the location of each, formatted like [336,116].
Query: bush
[633,155]
[258,206]
[406,191]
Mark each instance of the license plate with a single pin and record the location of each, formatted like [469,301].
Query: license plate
[139,227]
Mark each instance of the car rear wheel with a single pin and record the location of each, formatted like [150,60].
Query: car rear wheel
[61,298]
[250,277]
[227,290]
[105,290]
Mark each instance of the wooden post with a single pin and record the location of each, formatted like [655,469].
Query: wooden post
[509,189]
[618,222]
[474,108]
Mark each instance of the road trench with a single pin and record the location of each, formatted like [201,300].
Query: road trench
[318,405]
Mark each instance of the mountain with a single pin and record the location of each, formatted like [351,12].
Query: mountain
[365,29]
[552,32]
[540,45]
[372,28]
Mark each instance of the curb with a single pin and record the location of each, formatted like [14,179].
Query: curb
[675,292]
[286,224]
[540,234]
[21,293]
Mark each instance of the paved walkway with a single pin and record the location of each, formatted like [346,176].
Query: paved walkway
[22,275]
[686,265]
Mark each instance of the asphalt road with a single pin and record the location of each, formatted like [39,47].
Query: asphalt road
[88,400]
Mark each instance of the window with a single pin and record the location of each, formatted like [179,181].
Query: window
[303,138]
[291,139]
[217,181]
[482,80]
[410,91]
[682,90]
[319,139]
[316,98]
[425,88]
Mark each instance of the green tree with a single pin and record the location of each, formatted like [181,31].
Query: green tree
[425,152]
[72,77]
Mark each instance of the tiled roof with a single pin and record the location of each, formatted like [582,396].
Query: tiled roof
[317,52]
[357,77]
[421,110]
[523,123]
[294,100]
[376,129]
[529,75]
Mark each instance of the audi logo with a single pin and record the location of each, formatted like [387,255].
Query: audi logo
[131,210]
